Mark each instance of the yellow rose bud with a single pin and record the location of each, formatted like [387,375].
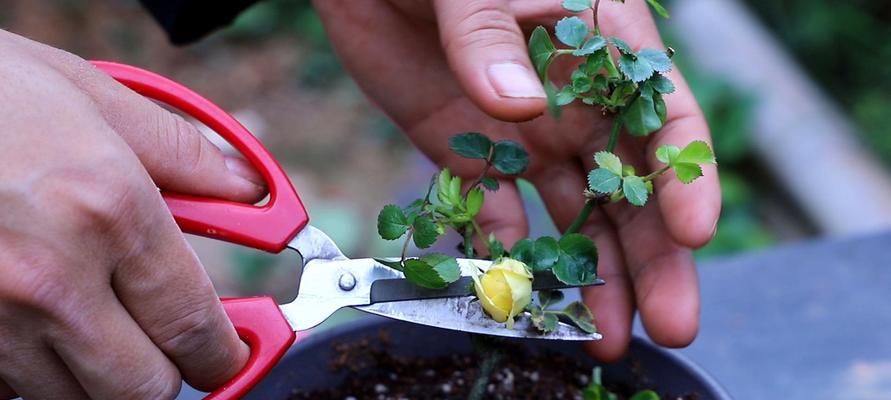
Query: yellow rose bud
[504,290]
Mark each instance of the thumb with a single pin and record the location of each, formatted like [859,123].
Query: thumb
[175,154]
[487,52]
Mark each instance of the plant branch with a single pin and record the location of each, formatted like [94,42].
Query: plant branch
[468,241]
[479,179]
[581,217]
[411,231]
[656,174]
[490,357]
[614,133]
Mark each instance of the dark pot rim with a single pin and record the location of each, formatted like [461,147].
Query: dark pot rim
[326,336]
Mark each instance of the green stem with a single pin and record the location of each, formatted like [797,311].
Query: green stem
[581,217]
[479,179]
[490,357]
[411,232]
[614,133]
[656,174]
[468,241]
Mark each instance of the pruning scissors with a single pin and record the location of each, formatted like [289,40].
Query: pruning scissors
[329,280]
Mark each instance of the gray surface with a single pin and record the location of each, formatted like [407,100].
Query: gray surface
[807,321]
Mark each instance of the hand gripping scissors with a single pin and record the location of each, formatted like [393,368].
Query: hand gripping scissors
[329,280]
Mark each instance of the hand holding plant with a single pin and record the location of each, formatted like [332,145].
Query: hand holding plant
[643,252]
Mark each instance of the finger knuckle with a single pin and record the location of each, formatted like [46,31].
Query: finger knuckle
[182,141]
[484,26]
[33,284]
[164,384]
[188,330]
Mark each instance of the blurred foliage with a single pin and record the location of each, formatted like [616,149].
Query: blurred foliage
[320,67]
[251,266]
[846,47]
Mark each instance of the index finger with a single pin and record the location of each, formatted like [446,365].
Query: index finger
[487,52]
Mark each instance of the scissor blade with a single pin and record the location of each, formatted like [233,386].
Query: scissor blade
[386,290]
[465,314]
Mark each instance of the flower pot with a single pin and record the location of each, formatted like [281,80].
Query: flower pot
[306,366]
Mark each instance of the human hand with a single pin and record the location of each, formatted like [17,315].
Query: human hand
[101,296]
[443,67]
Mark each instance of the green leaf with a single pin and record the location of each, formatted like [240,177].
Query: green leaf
[697,152]
[425,232]
[454,193]
[662,84]
[640,118]
[538,255]
[576,5]
[544,321]
[623,47]
[667,153]
[471,145]
[475,199]
[590,46]
[661,11]
[548,297]
[635,190]
[687,173]
[551,94]
[443,183]
[490,183]
[628,170]
[638,69]
[434,271]
[522,251]
[541,50]
[571,31]
[595,62]
[608,161]
[577,263]
[581,83]
[446,266]
[645,394]
[602,180]
[565,96]
[581,316]
[660,107]
[391,222]
[510,157]
[412,210]
[658,59]
[597,392]
[397,265]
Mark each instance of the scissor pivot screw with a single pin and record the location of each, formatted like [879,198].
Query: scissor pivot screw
[347,281]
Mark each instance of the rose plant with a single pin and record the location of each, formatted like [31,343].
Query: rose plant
[614,79]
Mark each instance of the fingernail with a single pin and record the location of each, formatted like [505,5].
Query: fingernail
[244,170]
[515,80]
[715,229]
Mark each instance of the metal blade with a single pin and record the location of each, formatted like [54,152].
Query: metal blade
[386,290]
[466,314]
[327,285]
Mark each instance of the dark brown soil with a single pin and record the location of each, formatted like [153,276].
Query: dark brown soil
[374,373]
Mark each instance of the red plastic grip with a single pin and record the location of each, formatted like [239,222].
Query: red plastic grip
[262,326]
[269,227]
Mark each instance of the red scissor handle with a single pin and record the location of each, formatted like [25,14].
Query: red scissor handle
[262,326]
[258,320]
[269,227]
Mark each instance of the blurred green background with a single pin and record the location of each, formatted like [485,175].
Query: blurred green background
[275,69]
